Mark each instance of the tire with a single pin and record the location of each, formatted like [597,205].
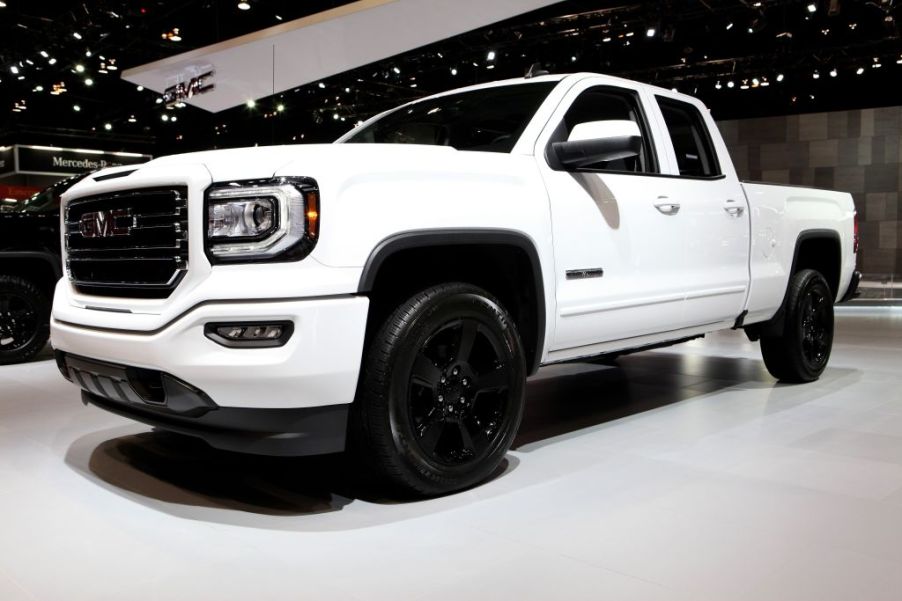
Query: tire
[801,353]
[441,393]
[24,319]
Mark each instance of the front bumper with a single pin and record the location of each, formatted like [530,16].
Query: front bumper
[163,401]
[317,366]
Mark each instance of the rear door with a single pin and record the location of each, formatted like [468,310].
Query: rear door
[619,248]
[713,209]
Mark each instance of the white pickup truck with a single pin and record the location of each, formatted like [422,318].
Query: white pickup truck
[390,293]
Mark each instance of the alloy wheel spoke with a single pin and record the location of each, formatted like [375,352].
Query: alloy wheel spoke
[493,380]
[429,435]
[424,372]
[466,340]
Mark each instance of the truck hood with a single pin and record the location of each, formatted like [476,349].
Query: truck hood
[313,160]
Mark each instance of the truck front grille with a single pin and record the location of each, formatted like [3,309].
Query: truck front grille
[132,243]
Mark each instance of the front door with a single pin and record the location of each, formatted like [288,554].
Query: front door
[619,243]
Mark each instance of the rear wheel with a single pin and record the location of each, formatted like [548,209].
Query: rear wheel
[441,394]
[24,320]
[801,353]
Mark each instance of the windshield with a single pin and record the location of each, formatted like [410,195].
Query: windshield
[48,199]
[489,120]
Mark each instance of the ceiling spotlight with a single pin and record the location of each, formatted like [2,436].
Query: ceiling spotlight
[79,68]
[729,26]
[108,126]
[718,86]
[453,71]
[76,35]
[280,108]
[764,82]
[833,73]
[164,117]
[173,118]
[52,61]
[76,108]
[251,103]
[244,5]
[860,71]
[731,84]
[14,70]
[779,77]
[396,70]
[756,82]
[877,63]
[140,88]
[131,119]
[2,4]
[816,75]
[39,88]
[89,82]
[336,116]
[88,53]
[812,7]
[651,32]
[44,54]
[491,55]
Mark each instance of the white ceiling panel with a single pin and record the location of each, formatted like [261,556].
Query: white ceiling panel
[310,49]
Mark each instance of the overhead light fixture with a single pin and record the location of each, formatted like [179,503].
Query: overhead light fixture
[76,108]
[2,4]
[860,71]
[108,126]
[79,68]
[397,71]
[44,54]
[731,84]
[244,5]
[652,32]
[453,71]
[52,61]
[76,35]
[833,73]
[88,53]
[729,26]
[718,86]
[779,77]
[131,119]
[816,75]
[89,82]
[14,70]
[812,7]
[164,117]
[251,103]
[490,57]
[280,108]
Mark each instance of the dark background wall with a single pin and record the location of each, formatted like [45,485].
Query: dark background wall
[853,151]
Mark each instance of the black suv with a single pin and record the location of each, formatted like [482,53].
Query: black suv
[29,269]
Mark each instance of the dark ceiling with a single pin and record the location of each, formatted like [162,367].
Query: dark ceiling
[743,58]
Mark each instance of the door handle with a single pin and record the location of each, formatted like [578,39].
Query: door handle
[668,208]
[733,209]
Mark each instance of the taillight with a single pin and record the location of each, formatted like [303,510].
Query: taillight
[856,239]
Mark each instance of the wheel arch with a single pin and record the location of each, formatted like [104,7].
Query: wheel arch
[43,268]
[531,318]
[805,256]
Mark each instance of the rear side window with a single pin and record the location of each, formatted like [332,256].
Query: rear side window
[691,141]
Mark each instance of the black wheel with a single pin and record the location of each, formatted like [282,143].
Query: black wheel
[24,320]
[441,393]
[802,352]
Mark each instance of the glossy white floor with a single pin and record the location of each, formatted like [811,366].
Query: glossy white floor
[687,473]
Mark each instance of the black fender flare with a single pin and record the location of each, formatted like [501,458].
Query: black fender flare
[774,325]
[51,259]
[458,237]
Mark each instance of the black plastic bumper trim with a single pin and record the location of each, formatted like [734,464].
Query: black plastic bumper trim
[163,401]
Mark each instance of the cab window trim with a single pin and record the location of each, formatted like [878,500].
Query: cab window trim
[705,133]
[648,140]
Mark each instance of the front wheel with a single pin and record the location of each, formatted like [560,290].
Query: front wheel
[441,393]
[24,320]
[801,353]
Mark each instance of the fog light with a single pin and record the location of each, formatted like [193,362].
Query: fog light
[250,335]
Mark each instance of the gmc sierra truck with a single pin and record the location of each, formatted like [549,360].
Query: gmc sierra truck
[389,294]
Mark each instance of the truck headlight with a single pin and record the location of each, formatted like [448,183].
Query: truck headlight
[261,220]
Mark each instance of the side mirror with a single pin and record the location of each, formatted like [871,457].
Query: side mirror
[597,142]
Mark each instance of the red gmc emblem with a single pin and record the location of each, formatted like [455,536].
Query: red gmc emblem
[105,224]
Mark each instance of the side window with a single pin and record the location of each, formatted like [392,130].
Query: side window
[691,141]
[604,103]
